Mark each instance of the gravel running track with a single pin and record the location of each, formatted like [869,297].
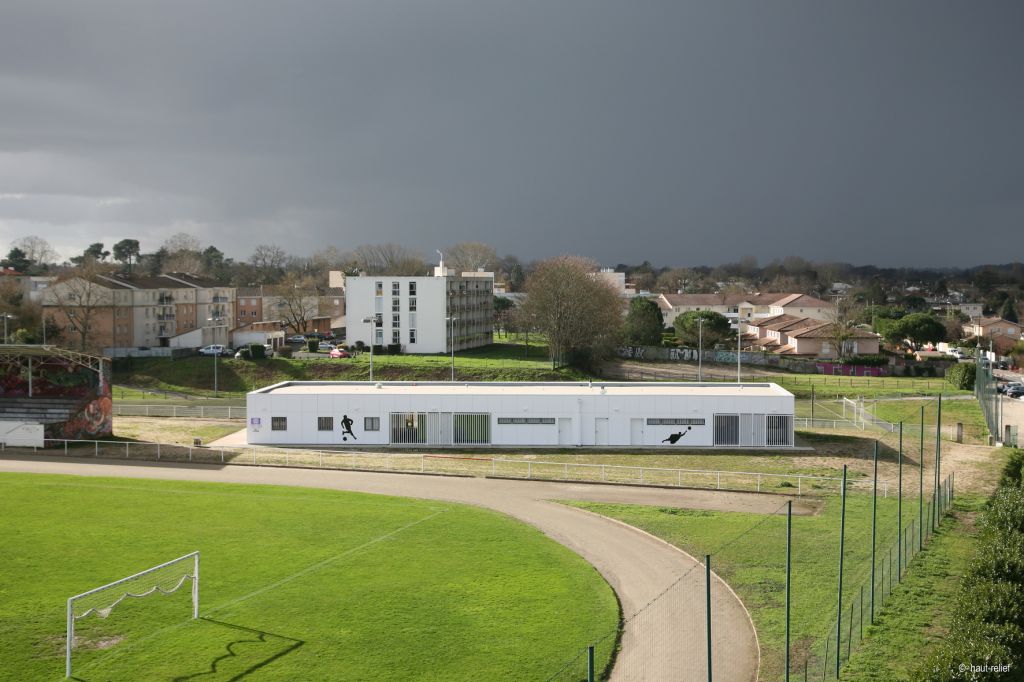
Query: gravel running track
[637,565]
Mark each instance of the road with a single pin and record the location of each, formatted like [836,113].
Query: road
[666,642]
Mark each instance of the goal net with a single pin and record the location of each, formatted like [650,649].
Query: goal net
[166,578]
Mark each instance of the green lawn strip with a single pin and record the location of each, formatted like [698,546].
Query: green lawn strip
[748,551]
[967,412]
[359,586]
[180,431]
[917,615]
[195,375]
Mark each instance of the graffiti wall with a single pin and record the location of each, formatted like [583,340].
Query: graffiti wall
[83,391]
[759,358]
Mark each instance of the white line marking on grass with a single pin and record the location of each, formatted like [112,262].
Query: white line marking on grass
[320,564]
[113,653]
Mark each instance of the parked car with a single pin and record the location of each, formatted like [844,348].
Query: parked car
[298,338]
[215,349]
[956,353]
[1003,388]
[1015,392]
[339,353]
[325,345]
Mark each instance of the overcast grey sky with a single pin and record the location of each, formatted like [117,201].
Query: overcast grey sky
[679,132]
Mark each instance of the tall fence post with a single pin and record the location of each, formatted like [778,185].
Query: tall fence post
[789,566]
[938,463]
[590,664]
[874,524]
[920,490]
[899,509]
[707,607]
[842,549]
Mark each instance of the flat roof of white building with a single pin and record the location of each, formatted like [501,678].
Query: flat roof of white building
[564,388]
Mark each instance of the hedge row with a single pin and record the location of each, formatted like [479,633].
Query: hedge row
[987,627]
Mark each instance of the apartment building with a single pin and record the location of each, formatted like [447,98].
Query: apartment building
[128,310]
[426,314]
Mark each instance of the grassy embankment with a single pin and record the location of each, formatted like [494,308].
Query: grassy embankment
[193,377]
[748,551]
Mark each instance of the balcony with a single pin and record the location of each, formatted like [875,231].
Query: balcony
[165,316]
[220,299]
[165,299]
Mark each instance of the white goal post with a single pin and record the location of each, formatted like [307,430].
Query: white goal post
[166,578]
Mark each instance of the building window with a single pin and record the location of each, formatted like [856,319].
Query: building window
[412,288]
[396,288]
[379,289]
[727,429]
[325,423]
[526,420]
[408,427]
[471,428]
[412,336]
[371,423]
[279,423]
[394,336]
[686,421]
[396,320]
[779,429]
[379,336]
[412,304]
[396,304]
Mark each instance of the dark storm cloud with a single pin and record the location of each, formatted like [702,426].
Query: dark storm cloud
[682,133]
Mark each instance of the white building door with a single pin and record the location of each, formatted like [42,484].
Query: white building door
[636,431]
[439,428]
[601,431]
[564,431]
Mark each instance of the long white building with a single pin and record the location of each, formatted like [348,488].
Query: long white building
[422,314]
[648,415]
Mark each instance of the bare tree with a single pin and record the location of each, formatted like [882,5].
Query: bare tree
[471,256]
[388,259]
[580,313]
[79,298]
[37,250]
[297,302]
[268,261]
[842,317]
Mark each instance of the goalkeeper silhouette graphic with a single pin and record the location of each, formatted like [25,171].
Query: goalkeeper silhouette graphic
[674,437]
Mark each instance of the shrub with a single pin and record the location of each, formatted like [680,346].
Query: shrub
[285,351]
[360,346]
[1013,470]
[961,376]
[256,351]
[312,345]
[246,352]
[394,349]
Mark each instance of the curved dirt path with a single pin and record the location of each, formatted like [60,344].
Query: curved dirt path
[665,642]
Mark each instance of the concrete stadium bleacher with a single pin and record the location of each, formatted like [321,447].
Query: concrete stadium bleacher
[40,410]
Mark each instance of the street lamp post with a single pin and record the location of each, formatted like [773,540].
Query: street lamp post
[700,348]
[7,316]
[216,356]
[371,321]
[451,339]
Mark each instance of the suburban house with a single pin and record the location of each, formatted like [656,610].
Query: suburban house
[124,311]
[1000,334]
[793,335]
[744,307]
[428,314]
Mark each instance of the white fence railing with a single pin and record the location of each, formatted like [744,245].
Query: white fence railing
[201,411]
[458,465]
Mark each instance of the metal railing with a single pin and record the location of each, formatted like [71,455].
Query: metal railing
[201,411]
[455,465]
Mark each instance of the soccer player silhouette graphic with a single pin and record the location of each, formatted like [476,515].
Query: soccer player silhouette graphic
[346,428]
[674,437]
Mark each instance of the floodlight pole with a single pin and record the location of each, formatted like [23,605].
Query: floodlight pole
[739,348]
[371,321]
[451,340]
[216,356]
[700,348]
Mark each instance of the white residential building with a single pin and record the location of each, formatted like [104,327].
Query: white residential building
[422,314]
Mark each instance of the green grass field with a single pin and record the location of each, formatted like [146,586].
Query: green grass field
[295,584]
[748,551]
[194,375]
